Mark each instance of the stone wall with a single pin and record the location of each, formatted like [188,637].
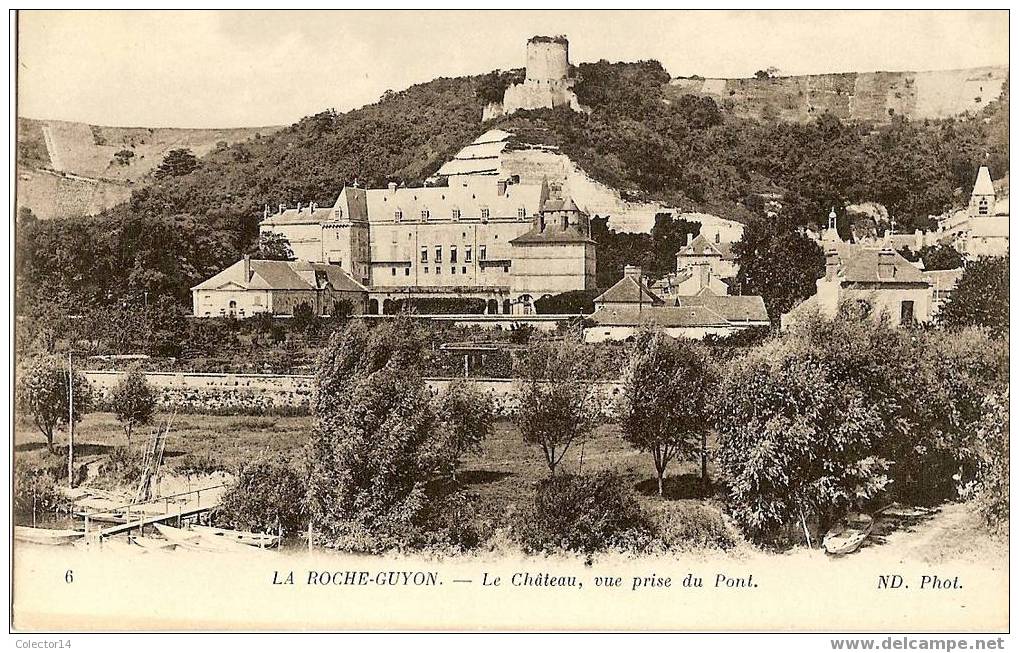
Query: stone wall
[260,394]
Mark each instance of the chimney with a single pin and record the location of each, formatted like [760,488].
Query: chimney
[633,271]
[689,239]
[282,207]
[247,268]
[831,263]
[501,185]
[886,264]
[918,243]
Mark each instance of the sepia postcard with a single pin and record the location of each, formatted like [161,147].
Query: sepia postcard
[534,320]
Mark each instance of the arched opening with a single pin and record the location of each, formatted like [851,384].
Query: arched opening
[233,306]
[493,307]
[387,307]
[373,306]
[525,300]
[507,306]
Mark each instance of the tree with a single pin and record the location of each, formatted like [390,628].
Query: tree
[663,408]
[43,394]
[556,408]
[269,496]
[940,257]
[800,422]
[304,316]
[981,298]
[780,265]
[133,401]
[123,157]
[372,450]
[274,247]
[177,163]
[466,416]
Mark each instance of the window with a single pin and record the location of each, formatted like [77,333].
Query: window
[406,272]
[456,214]
[906,313]
[426,269]
[452,254]
[398,215]
[984,208]
[452,269]
[484,214]
[467,254]
[718,237]
[438,253]
[482,252]
[424,214]
[463,269]
[424,253]
[438,270]
[521,212]
[505,268]
[393,271]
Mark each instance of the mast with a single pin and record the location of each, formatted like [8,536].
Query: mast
[70,423]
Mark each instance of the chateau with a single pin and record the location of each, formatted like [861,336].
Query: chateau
[486,238]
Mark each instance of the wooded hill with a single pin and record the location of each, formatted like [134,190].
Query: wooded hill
[684,150]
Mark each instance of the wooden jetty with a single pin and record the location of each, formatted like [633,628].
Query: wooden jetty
[138,515]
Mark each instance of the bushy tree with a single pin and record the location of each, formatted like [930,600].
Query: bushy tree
[780,265]
[981,298]
[372,449]
[556,408]
[992,436]
[583,514]
[663,405]
[177,163]
[274,247]
[133,401]
[42,393]
[466,416]
[269,496]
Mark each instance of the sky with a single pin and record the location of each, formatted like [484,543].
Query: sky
[248,69]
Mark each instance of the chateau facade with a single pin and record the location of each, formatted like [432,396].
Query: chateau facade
[480,237]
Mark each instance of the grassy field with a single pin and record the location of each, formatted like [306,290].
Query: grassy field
[502,474]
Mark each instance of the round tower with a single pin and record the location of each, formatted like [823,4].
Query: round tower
[548,59]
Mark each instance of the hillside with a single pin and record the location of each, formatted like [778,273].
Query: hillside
[874,97]
[687,152]
[71,168]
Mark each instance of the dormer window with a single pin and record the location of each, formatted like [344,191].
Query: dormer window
[521,212]
[398,215]
[339,213]
[484,214]
[456,214]
[424,214]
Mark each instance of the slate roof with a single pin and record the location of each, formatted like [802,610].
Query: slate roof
[943,279]
[304,216]
[629,291]
[734,308]
[661,316]
[701,246]
[983,185]
[859,264]
[283,275]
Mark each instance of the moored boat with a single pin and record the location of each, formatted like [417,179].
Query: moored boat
[261,540]
[848,535]
[49,536]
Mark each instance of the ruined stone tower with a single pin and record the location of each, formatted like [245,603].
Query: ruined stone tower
[547,83]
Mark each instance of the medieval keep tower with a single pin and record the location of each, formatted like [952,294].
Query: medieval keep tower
[547,83]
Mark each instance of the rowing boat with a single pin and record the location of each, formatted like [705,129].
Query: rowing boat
[260,540]
[848,535]
[50,536]
[197,541]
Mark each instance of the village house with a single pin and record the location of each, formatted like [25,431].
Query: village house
[876,273]
[252,286]
[629,305]
[712,251]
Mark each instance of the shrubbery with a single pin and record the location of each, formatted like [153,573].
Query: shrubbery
[35,490]
[269,496]
[583,514]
